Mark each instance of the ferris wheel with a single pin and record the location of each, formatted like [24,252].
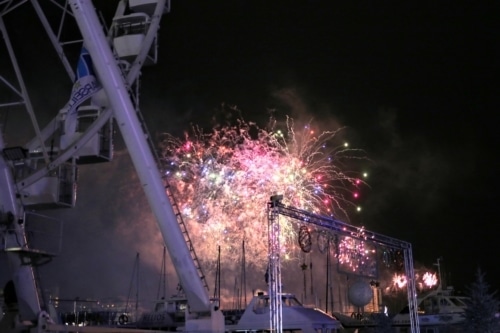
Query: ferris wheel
[43,172]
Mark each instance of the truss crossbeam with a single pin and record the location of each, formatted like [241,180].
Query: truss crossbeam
[358,233]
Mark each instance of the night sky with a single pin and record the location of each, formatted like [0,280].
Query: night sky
[414,83]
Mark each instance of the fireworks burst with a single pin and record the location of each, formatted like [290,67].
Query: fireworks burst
[429,279]
[424,281]
[399,280]
[222,182]
[356,256]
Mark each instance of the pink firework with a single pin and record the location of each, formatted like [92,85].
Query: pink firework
[222,182]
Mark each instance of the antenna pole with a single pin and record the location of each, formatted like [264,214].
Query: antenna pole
[438,264]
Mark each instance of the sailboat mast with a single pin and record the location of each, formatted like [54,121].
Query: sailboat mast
[137,288]
[135,273]
[244,278]
[438,264]
[217,277]
[327,277]
[162,286]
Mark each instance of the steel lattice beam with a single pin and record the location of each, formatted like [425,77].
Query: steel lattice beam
[358,233]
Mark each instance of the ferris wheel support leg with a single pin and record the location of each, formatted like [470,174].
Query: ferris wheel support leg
[142,157]
[13,241]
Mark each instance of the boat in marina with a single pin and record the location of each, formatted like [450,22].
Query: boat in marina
[169,315]
[438,311]
[295,316]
